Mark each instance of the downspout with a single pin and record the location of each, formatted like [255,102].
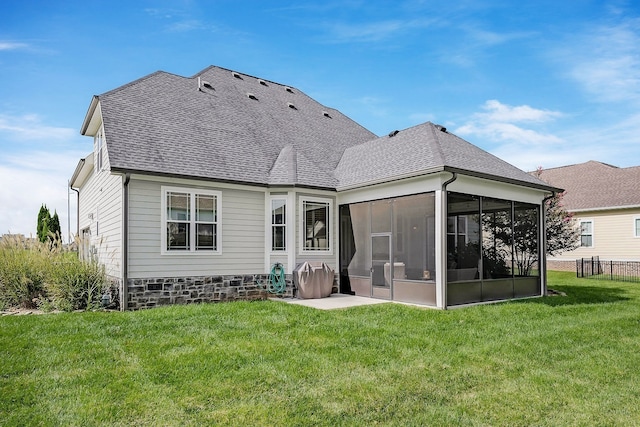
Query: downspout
[124,292]
[77,210]
[443,273]
[543,249]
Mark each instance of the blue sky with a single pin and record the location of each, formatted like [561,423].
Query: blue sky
[537,83]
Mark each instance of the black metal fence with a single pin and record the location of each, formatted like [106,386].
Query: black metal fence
[623,271]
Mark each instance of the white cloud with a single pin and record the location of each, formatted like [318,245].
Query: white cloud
[498,112]
[497,123]
[37,174]
[187,25]
[33,179]
[606,62]
[514,133]
[519,136]
[371,31]
[30,127]
[5,45]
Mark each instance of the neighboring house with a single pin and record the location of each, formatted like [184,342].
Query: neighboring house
[605,202]
[197,186]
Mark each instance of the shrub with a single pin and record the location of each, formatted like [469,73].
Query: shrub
[22,272]
[75,284]
[48,276]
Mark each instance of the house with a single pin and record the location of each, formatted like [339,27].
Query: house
[196,186]
[605,202]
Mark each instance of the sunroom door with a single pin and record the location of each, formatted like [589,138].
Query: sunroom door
[381,266]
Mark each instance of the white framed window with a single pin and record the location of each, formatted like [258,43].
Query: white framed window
[99,148]
[586,233]
[191,220]
[278,214]
[316,225]
[636,227]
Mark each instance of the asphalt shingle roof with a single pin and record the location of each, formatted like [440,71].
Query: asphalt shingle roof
[423,148]
[595,185]
[227,126]
[163,124]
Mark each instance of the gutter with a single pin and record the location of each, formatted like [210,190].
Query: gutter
[443,243]
[124,294]
[606,208]
[453,170]
[130,171]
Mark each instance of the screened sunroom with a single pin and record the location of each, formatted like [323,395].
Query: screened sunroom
[389,249]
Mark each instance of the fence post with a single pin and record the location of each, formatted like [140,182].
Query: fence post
[611,264]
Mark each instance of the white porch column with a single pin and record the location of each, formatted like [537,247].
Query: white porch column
[441,249]
[292,250]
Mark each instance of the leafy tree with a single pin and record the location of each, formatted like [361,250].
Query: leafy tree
[54,227]
[48,229]
[42,229]
[562,233]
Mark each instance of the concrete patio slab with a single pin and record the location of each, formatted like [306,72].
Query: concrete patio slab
[333,301]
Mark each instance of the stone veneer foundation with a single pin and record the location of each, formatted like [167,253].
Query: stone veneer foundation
[154,292]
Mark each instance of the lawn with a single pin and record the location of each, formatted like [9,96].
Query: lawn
[570,360]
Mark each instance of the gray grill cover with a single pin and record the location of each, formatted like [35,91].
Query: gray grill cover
[313,280]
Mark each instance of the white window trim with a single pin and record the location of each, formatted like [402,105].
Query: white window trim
[192,235]
[99,144]
[593,232]
[270,223]
[330,229]
[635,234]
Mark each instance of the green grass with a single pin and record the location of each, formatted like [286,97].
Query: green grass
[551,361]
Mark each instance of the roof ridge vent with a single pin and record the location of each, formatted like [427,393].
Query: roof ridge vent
[262,82]
[290,105]
[288,89]
[441,128]
[326,114]
[393,133]
[252,96]
[236,75]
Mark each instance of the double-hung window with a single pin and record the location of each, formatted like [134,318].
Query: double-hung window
[278,225]
[636,227]
[99,148]
[586,234]
[191,220]
[316,224]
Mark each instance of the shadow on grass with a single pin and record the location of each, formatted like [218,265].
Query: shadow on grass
[581,295]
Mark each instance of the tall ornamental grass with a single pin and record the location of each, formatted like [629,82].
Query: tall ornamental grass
[47,275]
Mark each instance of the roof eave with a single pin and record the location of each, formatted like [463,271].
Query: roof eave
[220,180]
[83,166]
[604,208]
[370,183]
[506,180]
[89,115]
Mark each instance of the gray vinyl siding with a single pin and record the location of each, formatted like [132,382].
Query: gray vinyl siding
[100,209]
[242,227]
[282,259]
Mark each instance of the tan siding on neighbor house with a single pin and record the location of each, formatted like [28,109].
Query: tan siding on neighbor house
[613,236]
[242,229]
